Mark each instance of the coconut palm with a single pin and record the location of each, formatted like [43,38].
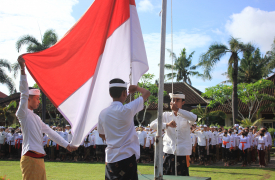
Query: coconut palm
[182,67]
[48,40]
[252,67]
[4,78]
[215,52]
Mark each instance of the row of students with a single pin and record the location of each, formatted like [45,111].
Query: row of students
[230,145]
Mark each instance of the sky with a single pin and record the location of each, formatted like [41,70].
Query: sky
[196,25]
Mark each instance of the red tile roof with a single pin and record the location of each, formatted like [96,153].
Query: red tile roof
[2,95]
[192,96]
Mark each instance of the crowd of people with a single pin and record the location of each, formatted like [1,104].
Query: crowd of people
[209,145]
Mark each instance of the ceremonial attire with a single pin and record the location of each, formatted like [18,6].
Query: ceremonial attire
[176,141]
[202,138]
[117,124]
[32,162]
[262,144]
[243,146]
[225,147]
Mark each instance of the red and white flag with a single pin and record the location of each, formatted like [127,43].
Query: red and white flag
[75,72]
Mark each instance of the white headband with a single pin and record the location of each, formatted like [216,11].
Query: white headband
[180,96]
[118,85]
[34,92]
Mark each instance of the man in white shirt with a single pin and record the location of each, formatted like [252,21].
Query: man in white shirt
[177,140]
[32,160]
[116,125]
[202,143]
[142,135]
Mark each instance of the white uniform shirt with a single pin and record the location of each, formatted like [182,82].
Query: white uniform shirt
[31,124]
[92,139]
[116,122]
[98,140]
[202,136]
[269,139]
[232,140]
[262,143]
[214,139]
[227,140]
[243,140]
[2,137]
[142,135]
[149,140]
[177,139]
[45,140]
[193,139]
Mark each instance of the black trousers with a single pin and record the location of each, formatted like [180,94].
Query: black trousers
[122,170]
[244,156]
[202,154]
[226,154]
[169,165]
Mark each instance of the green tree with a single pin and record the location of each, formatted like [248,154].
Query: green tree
[7,112]
[205,115]
[182,66]
[251,94]
[48,40]
[4,78]
[215,52]
[270,55]
[145,82]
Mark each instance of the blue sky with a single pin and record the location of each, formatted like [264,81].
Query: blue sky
[196,25]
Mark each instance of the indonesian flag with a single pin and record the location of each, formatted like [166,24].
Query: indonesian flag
[75,72]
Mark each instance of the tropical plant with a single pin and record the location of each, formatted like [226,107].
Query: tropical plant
[204,114]
[7,112]
[215,52]
[145,82]
[4,78]
[48,40]
[248,122]
[182,67]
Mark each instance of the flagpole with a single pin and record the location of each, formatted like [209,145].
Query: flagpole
[158,171]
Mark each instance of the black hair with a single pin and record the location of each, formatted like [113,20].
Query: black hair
[115,92]
[31,88]
[179,92]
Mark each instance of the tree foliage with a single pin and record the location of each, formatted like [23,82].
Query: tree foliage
[182,66]
[205,115]
[251,94]
[145,82]
[4,78]
[7,112]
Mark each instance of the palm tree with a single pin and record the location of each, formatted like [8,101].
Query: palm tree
[48,40]
[182,67]
[4,78]
[215,52]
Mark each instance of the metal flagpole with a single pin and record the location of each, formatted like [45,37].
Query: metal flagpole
[158,171]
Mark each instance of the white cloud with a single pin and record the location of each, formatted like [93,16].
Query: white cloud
[253,25]
[19,18]
[145,5]
[181,40]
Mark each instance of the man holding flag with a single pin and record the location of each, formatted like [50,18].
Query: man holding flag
[32,160]
[116,125]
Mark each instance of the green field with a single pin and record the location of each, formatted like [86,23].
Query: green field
[70,171]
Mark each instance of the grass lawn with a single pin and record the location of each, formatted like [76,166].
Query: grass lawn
[66,171]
